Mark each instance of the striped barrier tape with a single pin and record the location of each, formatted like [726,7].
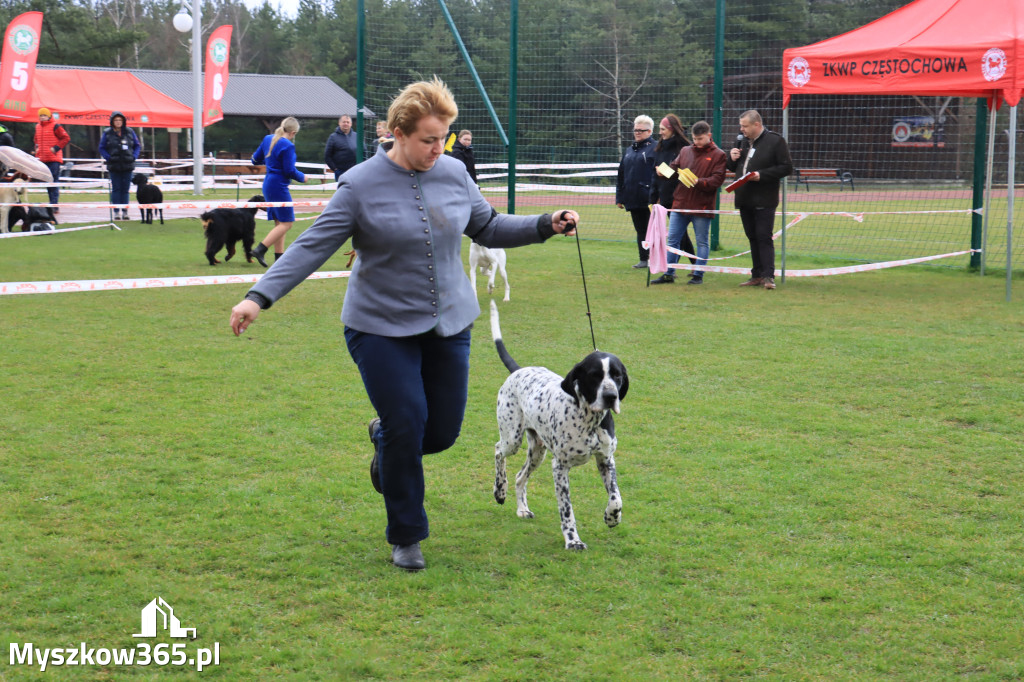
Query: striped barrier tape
[9,235]
[316,203]
[825,272]
[76,285]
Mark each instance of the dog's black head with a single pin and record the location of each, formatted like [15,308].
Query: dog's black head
[599,381]
[140,179]
[256,199]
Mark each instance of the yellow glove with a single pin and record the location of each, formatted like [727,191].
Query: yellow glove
[687,177]
[450,143]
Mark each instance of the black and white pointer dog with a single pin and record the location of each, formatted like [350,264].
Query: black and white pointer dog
[225,226]
[569,416]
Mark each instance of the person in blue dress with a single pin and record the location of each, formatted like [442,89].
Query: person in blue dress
[277,153]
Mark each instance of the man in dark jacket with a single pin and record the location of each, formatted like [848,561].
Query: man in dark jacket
[340,152]
[765,155]
[633,185]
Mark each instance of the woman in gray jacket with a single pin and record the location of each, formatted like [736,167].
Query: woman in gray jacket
[408,307]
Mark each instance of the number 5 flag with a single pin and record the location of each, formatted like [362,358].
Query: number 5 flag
[218,48]
[18,64]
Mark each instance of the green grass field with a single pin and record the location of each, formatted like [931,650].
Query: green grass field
[820,482]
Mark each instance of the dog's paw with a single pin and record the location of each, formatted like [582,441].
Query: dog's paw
[499,495]
[524,513]
[506,299]
[612,516]
[576,545]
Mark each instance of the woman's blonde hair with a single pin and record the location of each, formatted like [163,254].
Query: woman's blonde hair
[288,125]
[419,100]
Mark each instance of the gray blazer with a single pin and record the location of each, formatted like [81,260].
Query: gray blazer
[406,227]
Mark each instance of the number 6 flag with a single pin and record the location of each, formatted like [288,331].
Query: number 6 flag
[218,48]
[18,64]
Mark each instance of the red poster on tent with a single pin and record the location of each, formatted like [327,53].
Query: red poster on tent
[218,49]
[18,63]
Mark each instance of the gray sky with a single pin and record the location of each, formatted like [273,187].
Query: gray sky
[287,7]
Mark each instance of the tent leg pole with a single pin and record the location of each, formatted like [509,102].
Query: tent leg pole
[988,184]
[1010,181]
[785,184]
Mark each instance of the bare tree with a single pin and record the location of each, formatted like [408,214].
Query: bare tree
[616,88]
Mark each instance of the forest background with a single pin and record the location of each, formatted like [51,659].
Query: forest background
[605,59]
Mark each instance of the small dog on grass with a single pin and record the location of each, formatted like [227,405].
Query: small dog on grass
[225,226]
[571,417]
[489,261]
[12,192]
[148,194]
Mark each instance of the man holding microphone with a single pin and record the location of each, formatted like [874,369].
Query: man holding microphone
[765,156]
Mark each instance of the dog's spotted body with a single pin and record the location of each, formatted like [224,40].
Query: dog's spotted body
[570,417]
[225,226]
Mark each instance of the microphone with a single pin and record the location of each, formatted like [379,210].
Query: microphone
[741,142]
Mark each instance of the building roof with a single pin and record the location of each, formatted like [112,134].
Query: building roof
[254,94]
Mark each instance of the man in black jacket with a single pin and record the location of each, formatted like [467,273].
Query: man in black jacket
[340,152]
[765,155]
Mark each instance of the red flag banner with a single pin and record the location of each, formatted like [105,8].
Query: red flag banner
[18,63]
[218,49]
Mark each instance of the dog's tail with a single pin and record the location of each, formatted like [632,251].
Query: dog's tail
[511,364]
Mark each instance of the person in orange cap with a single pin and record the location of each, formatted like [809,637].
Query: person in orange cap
[50,139]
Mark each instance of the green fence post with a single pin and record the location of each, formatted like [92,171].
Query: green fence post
[978,197]
[513,93]
[716,124]
[360,74]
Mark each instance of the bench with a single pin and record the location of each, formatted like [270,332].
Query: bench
[806,176]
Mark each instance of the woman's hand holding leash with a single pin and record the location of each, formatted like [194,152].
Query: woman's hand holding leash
[564,222]
[244,314]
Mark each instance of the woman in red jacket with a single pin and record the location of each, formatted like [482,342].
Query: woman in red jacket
[51,139]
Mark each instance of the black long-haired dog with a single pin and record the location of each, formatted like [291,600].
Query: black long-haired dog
[225,226]
[148,194]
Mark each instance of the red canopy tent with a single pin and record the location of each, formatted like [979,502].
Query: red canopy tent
[963,48]
[82,97]
[959,48]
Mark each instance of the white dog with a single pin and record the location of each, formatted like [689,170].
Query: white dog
[10,193]
[490,262]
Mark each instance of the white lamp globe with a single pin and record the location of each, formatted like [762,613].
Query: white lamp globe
[183,21]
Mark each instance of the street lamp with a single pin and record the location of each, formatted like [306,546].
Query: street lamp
[182,23]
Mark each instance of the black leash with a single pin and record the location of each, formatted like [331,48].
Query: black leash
[571,225]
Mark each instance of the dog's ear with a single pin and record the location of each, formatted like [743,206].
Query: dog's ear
[624,388]
[569,383]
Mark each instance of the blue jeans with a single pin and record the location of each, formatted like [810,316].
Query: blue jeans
[120,184]
[677,223]
[419,386]
[54,192]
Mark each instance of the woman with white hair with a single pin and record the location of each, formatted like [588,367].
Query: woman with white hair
[633,186]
